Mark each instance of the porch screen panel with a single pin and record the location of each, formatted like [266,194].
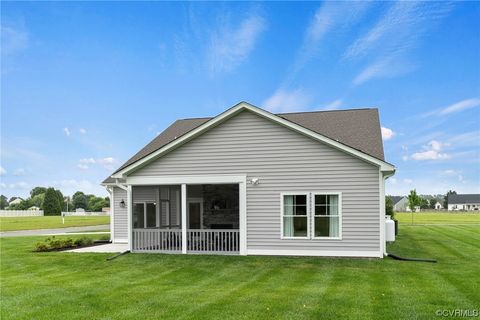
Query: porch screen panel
[138,215]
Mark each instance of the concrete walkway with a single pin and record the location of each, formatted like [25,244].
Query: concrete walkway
[50,232]
[104,248]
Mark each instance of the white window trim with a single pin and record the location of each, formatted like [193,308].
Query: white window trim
[312,221]
[294,193]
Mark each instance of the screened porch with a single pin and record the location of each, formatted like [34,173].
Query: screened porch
[212,219]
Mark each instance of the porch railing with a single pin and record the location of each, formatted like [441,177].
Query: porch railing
[198,240]
[207,240]
[157,240]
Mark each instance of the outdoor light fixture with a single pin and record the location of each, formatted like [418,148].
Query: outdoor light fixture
[253,181]
[122,204]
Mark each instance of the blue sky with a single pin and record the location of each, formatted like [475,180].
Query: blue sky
[86,85]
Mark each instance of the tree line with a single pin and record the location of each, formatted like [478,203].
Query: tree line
[53,202]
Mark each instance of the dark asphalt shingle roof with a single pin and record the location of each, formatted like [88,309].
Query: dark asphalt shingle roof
[357,128]
[463,198]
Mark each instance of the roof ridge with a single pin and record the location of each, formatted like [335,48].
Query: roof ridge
[322,111]
[297,112]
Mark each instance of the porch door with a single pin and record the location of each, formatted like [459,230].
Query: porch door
[195,213]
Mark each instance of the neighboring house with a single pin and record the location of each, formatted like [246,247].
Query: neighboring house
[400,203]
[80,210]
[34,208]
[251,182]
[467,202]
[438,206]
[15,201]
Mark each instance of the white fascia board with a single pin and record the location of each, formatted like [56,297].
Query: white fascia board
[384,166]
[190,179]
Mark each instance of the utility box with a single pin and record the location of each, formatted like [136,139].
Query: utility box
[389,229]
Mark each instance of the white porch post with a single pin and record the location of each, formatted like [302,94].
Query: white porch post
[129,216]
[184,218]
[242,187]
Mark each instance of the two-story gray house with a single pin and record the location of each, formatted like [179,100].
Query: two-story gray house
[250,182]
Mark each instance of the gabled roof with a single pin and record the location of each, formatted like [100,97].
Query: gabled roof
[396,199]
[464,199]
[355,129]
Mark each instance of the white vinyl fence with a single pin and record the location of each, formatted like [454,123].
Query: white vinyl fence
[85,214]
[21,213]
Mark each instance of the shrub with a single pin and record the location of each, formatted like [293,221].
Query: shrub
[56,244]
[67,243]
[41,247]
[83,241]
[105,237]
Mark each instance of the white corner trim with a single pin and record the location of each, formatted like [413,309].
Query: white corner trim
[184,217]
[316,253]
[384,166]
[129,216]
[242,206]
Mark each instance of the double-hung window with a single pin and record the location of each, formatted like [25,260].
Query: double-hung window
[326,213]
[295,215]
[311,215]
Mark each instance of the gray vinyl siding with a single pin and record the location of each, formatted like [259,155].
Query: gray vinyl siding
[120,218]
[284,161]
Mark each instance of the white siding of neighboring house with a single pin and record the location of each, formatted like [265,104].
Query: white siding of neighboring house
[284,161]
[120,218]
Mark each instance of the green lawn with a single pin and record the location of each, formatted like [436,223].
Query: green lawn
[153,286]
[421,218]
[49,222]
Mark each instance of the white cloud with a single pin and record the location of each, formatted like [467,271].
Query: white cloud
[19,172]
[460,106]
[87,161]
[18,185]
[3,185]
[66,131]
[108,162]
[387,133]
[386,45]
[449,172]
[334,105]
[82,166]
[331,16]
[287,101]
[2,171]
[404,158]
[392,180]
[231,46]
[13,40]
[82,131]
[432,152]
[407,181]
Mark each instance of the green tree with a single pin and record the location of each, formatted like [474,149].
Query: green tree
[433,201]
[3,202]
[61,201]
[96,204]
[79,200]
[37,190]
[389,207]
[445,200]
[37,200]
[51,205]
[424,204]
[413,200]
